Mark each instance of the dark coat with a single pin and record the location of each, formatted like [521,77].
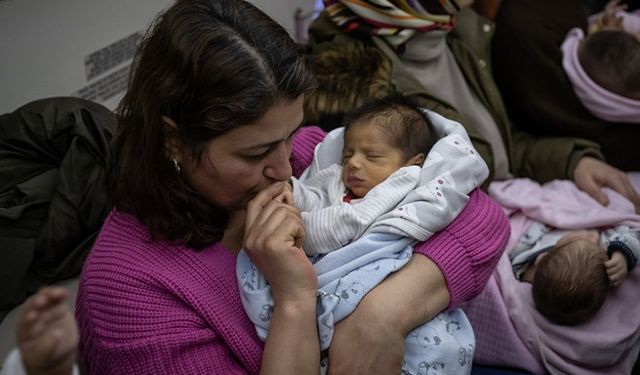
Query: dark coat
[54,154]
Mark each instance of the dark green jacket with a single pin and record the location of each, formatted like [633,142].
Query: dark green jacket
[527,64]
[53,159]
[540,158]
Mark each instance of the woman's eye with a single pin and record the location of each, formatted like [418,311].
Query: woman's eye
[258,156]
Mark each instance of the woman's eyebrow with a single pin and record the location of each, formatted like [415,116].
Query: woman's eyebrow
[262,145]
[271,143]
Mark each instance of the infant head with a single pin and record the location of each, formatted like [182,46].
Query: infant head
[611,58]
[381,137]
[571,283]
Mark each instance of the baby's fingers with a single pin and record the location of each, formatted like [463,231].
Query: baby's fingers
[616,274]
[262,200]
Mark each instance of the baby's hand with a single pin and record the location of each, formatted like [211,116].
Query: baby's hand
[610,20]
[47,334]
[616,268]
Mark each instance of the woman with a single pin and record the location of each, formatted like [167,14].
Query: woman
[205,139]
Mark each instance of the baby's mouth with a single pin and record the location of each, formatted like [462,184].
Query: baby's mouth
[353,180]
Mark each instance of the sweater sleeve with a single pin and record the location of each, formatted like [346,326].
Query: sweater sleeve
[152,307]
[468,249]
[182,347]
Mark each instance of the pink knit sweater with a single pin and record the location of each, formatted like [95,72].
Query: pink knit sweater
[156,308]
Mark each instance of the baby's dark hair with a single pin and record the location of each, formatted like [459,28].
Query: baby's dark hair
[408,127]
[612,60]
[571,283]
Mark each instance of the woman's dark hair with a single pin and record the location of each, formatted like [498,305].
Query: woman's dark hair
[210,66]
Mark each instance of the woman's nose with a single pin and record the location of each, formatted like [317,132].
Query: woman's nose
[278,166]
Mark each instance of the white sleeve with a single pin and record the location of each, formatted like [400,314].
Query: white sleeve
[626,240]
[324,189]
[333,227]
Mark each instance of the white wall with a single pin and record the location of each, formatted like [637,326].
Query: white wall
[43,43]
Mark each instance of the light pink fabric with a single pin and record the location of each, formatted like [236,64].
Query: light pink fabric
[510,332]
[561,204]
[601,102]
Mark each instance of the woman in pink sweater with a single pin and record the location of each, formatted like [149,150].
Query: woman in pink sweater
[208,130]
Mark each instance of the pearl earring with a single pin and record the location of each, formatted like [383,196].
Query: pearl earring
[176,165]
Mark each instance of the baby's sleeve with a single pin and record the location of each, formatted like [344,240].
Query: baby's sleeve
[626,240]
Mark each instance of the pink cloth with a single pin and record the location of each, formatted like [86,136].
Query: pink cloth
[561,204]
[601,102]
[510,332]
[153,307]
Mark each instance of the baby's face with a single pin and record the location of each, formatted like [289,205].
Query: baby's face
[368,158]
[588,235]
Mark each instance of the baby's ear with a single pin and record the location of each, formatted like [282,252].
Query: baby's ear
[416,160]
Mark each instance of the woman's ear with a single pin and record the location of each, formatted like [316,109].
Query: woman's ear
[416,160]
[172,140]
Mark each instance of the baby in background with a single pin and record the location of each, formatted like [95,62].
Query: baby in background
[604,66]
[571,271]
[385,143]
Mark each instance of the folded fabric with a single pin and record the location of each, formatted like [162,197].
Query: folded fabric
[394,20]
[561,204]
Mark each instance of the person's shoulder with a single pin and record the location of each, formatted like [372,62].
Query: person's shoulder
[127,275]
[122,233]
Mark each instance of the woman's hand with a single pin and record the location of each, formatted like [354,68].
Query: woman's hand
[592,174]
[371,339]
[47,334]
[273,239]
